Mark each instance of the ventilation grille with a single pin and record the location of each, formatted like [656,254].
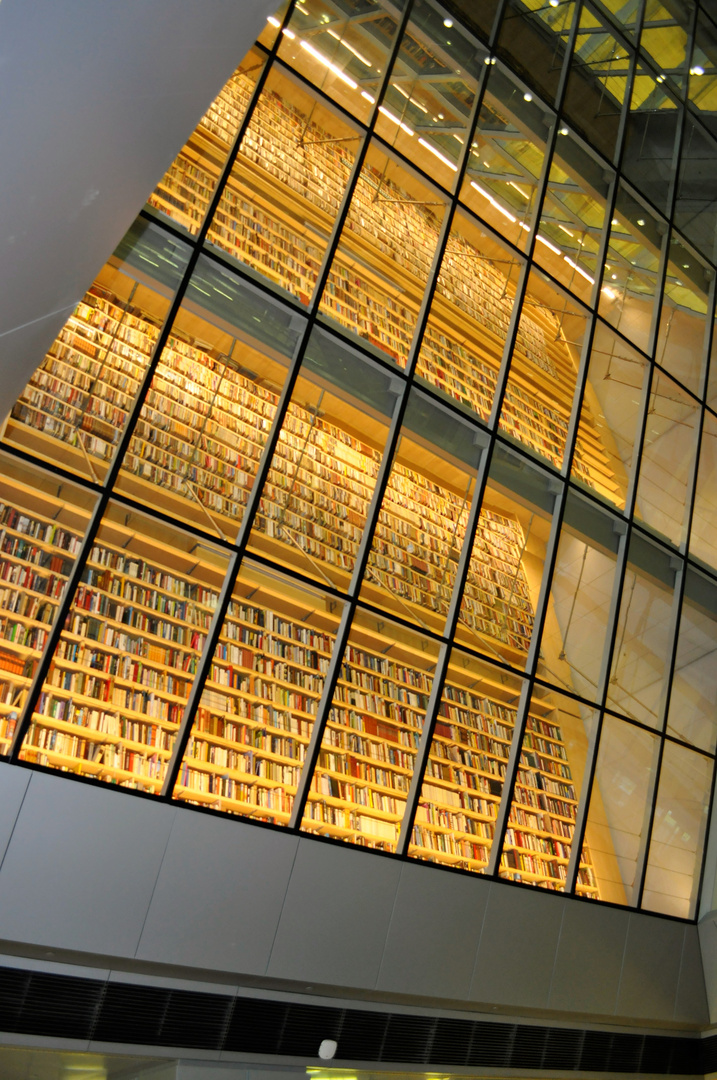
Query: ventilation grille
[33,1003]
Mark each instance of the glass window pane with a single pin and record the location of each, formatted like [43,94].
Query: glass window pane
[115,692]
[421,526]
[681,342]
[534,37]
[271,30]
[597,82]
[199,437]
[254,721]
[702,91]
[313,507]
[278,207]
[632,261]
[508,554]
[570,231]
[695,212]
[665,38]
[75,408]
[470,317]
[429,97]
[390,235]
[358,791]
[667,462]
[342,51]
[577,620]
[41,528]
[506,158]
[463,782]
[620,804]
[543,370]
[648,157]
[611,411]
[185,191]
[692,716]
[643,640]
[704,516]
[678,832]
[541,822]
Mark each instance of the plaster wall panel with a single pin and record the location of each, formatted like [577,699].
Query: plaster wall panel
[237,872]
[434,933]
[13,785]
[589,958]
[81,866]
[335,918]
[516,954]
[653,953]
[691,1006]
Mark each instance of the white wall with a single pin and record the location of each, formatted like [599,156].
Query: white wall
[90,873]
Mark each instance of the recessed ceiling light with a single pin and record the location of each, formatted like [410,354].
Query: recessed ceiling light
[527,97]
[448,23]
[641,221]
[697,70]
[563,130]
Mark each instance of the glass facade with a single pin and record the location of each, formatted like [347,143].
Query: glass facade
[370,489]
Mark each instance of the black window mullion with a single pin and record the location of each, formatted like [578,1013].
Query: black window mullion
[242,539]
[439,676]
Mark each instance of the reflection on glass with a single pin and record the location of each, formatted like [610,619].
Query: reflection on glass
[429,97]
[597,82]
[390,235]
[75,407]
[120,677]
[577,620]
[314,503]
[695,212]
[185,191]
[692,715]
[702,93]
[667,461]
[342,54]
[358,791]
[648,158]
[643,638]
[620,805]
[704,515]
[41,529]
[541,822]
[611,411]
[568,238]
[506,565]
[463,781]
[543,371]
[470,316]
[273,24]
[254,721]
[632,261]
[199,437]
[678,832]
[666,39]
[681,343]
[524,42]
[506,158]
[278,207]
[422,522]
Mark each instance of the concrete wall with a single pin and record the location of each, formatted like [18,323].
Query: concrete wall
[88,872]
[97,98]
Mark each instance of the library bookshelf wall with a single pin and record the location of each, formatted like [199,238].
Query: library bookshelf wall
[117,686]
[115,694]
[278,209]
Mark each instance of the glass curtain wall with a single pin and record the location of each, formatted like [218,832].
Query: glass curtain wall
[369,491]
